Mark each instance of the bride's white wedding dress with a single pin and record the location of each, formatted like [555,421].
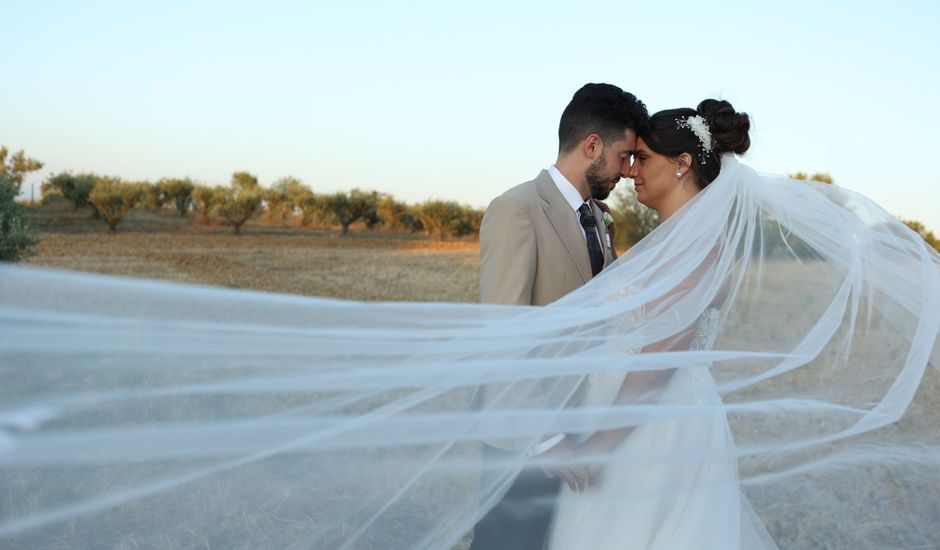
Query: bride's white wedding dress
[658,492]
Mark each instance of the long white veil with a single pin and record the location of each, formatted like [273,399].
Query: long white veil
[143,414]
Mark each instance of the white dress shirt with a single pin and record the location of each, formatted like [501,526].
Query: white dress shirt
[572,196]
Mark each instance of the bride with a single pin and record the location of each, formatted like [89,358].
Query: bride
[677,503]
[761,358]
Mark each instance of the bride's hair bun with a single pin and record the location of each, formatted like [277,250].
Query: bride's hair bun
[675,132]
[728,127]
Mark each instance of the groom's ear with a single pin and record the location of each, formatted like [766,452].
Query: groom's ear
[592,146]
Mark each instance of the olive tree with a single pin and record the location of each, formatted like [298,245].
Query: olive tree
[348,208]
[242,200]
[114,199]
[439,218]
[207,200]
[178,191]
[76,188]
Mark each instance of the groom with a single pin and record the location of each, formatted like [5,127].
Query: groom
[539,241]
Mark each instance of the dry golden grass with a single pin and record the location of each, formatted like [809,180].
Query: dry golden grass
[360,266]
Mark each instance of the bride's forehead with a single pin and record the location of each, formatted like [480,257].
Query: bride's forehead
[642,146]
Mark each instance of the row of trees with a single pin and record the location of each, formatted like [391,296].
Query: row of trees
[288,199]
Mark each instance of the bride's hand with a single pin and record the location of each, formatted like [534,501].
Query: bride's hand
[593,452]
[559,462]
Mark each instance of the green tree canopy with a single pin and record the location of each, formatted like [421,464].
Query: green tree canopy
[287,197]
[295,190]
[241,201]
[243,181]
[469,222]
[206,200]
[17,166]
[928,236]
[114,199]
[314,208]
[16,237]
[76,188]
[392,213]
[818,176]
[633,220]
[178,191]
[440,218]
[153,197]
[348,208]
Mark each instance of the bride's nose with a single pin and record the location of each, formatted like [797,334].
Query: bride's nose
[630,169]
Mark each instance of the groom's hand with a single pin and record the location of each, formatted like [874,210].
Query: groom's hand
[559,462]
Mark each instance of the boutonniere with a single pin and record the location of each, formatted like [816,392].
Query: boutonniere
[608,219]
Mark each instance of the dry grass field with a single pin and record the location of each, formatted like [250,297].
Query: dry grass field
[364,265]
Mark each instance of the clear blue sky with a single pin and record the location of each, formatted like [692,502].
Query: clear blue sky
[461,100]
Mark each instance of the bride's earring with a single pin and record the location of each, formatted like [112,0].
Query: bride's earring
[678,174]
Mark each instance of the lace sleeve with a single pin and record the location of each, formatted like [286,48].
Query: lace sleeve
[707,329]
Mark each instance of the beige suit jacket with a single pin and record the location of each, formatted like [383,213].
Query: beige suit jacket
[532,252]
[532,249]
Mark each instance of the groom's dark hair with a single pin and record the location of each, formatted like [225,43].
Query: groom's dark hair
[602,109]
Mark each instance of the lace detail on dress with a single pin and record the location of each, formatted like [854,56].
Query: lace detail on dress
[697,377]
[707,330]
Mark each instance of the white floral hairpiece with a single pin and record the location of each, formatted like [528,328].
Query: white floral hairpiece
[700,128]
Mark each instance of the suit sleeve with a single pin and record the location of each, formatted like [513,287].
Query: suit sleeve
[507,275]
[507,253]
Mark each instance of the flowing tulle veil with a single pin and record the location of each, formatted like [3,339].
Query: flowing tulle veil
[145,414]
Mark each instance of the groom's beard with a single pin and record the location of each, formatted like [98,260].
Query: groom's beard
[599,183]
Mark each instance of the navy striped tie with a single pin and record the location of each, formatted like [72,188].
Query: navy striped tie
[589,223]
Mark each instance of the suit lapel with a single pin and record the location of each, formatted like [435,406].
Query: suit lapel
[565,222]
[602,231]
